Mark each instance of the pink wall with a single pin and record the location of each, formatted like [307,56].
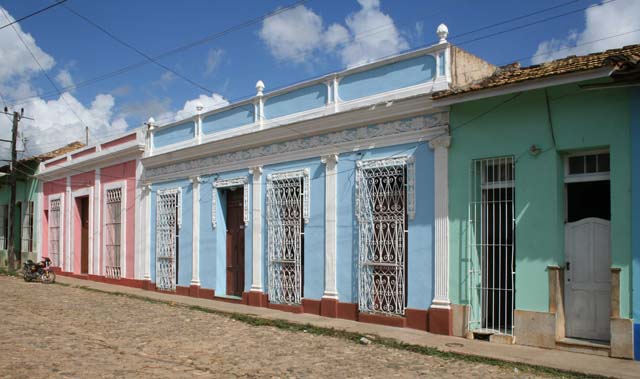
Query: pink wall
[119,141]
[116,173]
[48,189]
[124,171]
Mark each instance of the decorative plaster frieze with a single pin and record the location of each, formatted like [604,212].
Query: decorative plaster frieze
[353,135]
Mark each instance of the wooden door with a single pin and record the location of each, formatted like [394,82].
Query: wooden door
[588,278]
[235,242]
[84,245]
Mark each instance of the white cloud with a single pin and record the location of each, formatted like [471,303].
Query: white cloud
[208,102]
[294,34]
[55,123]
[299,35]
[17,63]
[601,21]
[64,78]
[214,58]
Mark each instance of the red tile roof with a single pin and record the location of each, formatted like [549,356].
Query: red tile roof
[513,73]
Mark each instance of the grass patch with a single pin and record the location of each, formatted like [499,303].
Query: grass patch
[349,336]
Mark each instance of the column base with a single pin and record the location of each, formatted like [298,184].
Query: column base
[417,319]
[194,290]
[440,321]
[257,299]
[329,307]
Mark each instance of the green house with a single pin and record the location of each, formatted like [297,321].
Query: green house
[539,206]
[26,234]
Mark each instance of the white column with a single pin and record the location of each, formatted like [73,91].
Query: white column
[260,103]
[138,254]
[69,223]
[39,210]
[195,230]
[330,225]
[146,216]
[95,265]
[440,146]
[256,227]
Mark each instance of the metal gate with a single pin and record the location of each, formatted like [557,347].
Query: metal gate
[286,210]
[492,246]
[113,221]
[54,232]
[381,206]
[167,225]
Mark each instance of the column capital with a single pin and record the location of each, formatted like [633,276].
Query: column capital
[440,142]
[257,170]
[195,179]
[329,158]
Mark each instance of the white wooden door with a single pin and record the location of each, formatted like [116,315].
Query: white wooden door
[588,278]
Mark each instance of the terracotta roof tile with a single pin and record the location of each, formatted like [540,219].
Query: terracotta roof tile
[57,152]
[512,74]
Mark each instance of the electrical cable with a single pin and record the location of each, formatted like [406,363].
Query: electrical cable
[59,2]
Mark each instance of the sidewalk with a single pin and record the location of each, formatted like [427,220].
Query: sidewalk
[582,363]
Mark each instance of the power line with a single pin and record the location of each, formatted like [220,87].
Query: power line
[188,46]
[136,50]
[361,36]
[33,14]
[42,69]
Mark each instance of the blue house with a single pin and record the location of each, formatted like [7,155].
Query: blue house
[326,197]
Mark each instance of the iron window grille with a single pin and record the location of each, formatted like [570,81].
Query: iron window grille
[27,227]
[492,246]
[168,224]
[54,232]
[383,192]
[287,212]
[113,233]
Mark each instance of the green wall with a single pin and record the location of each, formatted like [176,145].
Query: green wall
[25,191]
[508,125]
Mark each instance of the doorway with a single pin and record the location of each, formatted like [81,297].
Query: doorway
[587,279]
[235,241]
[83,210]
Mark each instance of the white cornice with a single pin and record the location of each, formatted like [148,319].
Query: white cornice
[107,157]
[252,137]
[523,86]
[416,129]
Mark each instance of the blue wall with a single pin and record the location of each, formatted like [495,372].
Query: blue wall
[296,101]
[185,247]
[420,244]
[313,231]
[635,216]
[229,119]
[387,78]
[174,134]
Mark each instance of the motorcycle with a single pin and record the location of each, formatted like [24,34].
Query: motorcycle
[41,270]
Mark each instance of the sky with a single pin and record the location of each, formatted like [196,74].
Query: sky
[67,74]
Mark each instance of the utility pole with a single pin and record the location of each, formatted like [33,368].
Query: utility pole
[11,251]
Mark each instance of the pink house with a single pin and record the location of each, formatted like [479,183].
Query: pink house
[89,210]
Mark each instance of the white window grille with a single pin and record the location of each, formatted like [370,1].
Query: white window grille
[27,227]
[168,223]
[54,232]
[382,188]
[287,211]
[113,233]
[492,246]
[4,225]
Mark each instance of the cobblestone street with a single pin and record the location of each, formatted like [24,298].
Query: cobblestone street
[57,331]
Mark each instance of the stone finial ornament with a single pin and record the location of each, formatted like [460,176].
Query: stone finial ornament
[151,122]
[259,87]
[199,107]
[442,32]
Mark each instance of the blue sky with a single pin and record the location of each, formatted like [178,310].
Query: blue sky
[315,38]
